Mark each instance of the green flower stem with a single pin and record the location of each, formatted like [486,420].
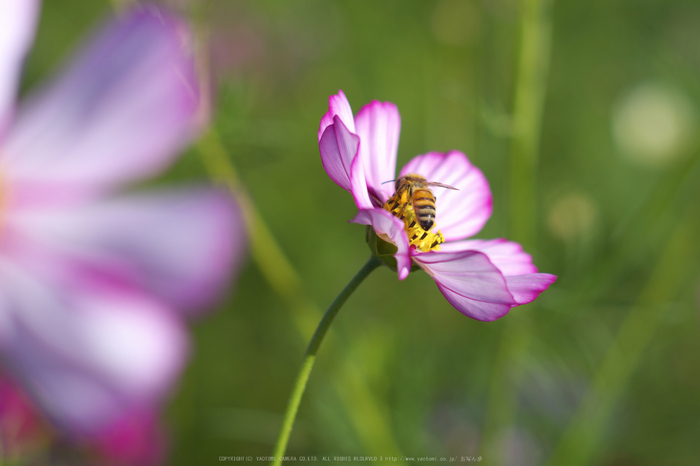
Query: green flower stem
[310,357]
[284,280]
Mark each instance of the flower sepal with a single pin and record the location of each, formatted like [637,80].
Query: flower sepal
[384,250]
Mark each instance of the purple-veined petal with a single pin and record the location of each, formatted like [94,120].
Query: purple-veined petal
[469,281]
[86,354]
[469,273]
[525,288]
[378,126]
[338,105]
[522,279]
[338,147]
[391,229]
[508,256]
[118,113]
[462,213]
[180,245]
[17,23]
[480,310]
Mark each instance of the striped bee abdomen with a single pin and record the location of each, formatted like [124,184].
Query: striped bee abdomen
[424,206]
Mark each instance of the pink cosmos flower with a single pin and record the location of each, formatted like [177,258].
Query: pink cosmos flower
[483,279]
[94,285]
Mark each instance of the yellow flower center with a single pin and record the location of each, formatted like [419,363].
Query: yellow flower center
[400,206]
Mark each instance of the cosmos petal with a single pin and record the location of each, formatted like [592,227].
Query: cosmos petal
[479,310]
[461,213]
[17,24]
[86,355]
[338,148]
[525,288]
[508,256]
[339,106]
[391,229]
[359,185]
[469,281]
[378,126]
[118,113]
[468,273]
[180,245]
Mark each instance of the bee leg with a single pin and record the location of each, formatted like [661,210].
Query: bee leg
[403,208]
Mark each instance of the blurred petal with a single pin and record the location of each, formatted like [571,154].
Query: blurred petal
[462,213]
[180,245]
[338,105]
[390,229]
[525,288]
[338,148]
[508,256]
[17,23]
[86,354]
[470,282]
[378,126]
[118,113]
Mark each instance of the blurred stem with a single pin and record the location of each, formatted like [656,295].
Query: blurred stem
[310,357]
[265,249]
[530,90]
[578,444]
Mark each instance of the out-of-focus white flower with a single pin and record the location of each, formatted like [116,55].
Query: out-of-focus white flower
[652,124]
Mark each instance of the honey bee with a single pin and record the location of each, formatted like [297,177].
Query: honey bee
[415,190]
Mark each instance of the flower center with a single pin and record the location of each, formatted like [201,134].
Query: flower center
[400,206]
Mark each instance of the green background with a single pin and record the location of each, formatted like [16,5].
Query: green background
[601,369]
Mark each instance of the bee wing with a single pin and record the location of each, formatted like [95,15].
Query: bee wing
[441,185]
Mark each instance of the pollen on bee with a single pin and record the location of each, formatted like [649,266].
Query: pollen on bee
[423,240]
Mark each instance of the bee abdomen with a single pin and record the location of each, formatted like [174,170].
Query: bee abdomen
[424,207]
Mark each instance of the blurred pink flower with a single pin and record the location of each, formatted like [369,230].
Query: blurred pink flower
[20,425]
[94,286]
[136,439]
[483,279]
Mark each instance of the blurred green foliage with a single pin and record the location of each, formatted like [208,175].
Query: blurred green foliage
[601,369]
